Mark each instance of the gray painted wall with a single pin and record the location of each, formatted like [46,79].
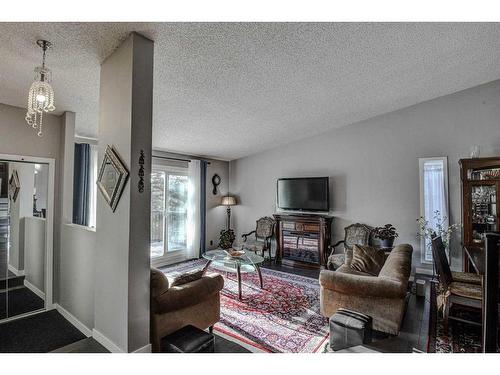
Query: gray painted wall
[18,138]
[216,214]
[76,294]
[34,251]
[41,186]
[373,164]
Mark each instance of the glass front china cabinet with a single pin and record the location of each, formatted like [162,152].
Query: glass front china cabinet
[480,212]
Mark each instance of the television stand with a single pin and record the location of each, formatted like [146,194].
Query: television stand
[303,240]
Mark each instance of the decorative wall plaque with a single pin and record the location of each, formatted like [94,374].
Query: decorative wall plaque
[14,186]
[140,184]
[112,177]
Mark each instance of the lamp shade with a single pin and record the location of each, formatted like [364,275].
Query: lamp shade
[228,201]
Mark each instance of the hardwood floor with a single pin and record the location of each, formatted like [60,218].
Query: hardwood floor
[88,345]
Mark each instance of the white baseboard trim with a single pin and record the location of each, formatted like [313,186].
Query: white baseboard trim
[73,320]
[144,349]
[107,343]
[34,289]
[15,271]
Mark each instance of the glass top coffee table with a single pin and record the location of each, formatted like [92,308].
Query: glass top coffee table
[245,263]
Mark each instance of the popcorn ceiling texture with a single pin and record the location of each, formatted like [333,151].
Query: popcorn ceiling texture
[227,90]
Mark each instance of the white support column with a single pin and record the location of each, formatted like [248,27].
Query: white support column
[122,250]
[64,189]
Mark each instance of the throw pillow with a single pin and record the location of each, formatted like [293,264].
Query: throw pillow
[159,282]
[187,277]
[367,259]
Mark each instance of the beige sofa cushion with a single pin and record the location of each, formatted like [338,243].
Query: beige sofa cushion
[367,259]
[187,277]
[398,264]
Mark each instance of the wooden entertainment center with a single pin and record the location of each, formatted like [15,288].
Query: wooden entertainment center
[303,240]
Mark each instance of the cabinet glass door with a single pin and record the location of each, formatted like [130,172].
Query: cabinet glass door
[484,211]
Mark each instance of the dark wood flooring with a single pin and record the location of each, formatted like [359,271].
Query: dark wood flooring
[87,345]
[90,345]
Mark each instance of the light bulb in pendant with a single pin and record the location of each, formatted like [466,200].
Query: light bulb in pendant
[41,98]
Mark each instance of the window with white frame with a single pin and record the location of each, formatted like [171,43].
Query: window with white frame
[433,196]
[169,211]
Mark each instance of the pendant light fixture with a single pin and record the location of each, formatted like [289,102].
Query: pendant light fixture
[41,95]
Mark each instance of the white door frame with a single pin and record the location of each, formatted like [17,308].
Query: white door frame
[49,231]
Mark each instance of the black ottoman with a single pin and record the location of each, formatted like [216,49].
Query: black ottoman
[188,339]
[349,328]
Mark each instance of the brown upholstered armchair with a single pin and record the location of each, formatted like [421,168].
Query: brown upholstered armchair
[382,297]
[263,232]
[355,234]
[194,303]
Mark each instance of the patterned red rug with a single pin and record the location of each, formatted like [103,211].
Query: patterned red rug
[461,337]
[283,317]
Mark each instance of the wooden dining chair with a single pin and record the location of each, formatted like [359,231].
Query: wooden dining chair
[464,293]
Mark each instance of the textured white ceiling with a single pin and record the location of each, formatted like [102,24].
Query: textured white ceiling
[228,90]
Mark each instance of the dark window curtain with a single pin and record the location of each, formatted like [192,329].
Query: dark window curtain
[203,205]
[81,184]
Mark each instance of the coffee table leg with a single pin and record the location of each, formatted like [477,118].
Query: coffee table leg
[239,279]
[206,267]
[260,277]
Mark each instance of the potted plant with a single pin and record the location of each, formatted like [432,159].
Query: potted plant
[386,234]
[438,226]
[226,239]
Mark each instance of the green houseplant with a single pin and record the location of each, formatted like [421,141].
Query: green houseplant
[386,234]
[226,238]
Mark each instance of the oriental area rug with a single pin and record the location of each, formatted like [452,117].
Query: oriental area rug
[461,337]
[283,317]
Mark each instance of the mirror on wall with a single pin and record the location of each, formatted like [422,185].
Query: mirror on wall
[23,228]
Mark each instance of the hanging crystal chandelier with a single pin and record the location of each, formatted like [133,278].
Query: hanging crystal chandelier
[41,95]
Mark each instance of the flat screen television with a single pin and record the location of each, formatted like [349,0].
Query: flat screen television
[303,194]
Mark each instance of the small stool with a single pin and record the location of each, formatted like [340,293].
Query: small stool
[349,328]
[188,339]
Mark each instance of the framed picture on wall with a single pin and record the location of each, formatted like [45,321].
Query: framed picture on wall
[14,186]
[113,176]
